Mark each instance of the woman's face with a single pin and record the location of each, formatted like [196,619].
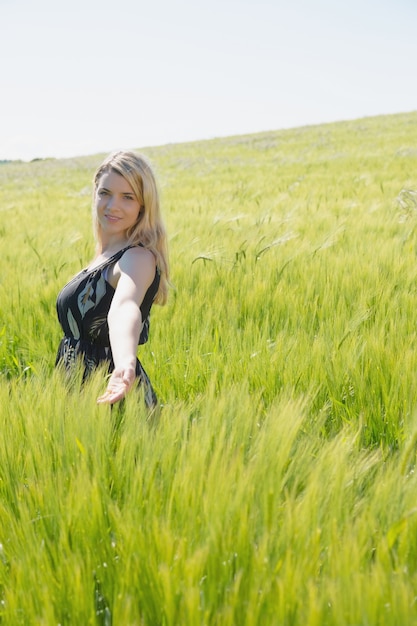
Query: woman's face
[116,205]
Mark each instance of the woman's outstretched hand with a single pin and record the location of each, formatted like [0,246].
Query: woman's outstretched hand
[119,384]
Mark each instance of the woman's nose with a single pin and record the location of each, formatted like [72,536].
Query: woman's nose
[112,202]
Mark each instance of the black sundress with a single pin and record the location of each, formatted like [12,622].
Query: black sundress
[82,307]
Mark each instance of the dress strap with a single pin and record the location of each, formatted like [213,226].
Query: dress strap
[118,255]
[115,257]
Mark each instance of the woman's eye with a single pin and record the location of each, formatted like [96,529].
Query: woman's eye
[129,198]
[103,192]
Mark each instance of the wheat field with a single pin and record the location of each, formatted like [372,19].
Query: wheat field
[277,484]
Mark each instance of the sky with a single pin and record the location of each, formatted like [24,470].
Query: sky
[90,76]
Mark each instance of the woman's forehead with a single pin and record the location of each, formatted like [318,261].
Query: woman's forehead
[114,181]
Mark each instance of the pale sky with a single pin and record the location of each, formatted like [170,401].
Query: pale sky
[87,76]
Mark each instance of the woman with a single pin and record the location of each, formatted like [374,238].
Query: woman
[104,310]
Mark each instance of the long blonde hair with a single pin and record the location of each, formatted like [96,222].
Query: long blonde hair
[149,229]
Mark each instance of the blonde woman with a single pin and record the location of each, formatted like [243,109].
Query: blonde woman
[104,310]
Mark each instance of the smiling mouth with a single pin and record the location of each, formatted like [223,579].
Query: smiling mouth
[112,218]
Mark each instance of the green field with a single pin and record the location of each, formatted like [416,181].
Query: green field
[278,485]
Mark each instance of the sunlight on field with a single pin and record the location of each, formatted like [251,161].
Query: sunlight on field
[277,485]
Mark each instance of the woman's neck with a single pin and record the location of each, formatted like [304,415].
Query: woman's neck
[107,248]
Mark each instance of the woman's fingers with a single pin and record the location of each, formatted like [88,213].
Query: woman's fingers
[113,394]
[119,384]
[110,397]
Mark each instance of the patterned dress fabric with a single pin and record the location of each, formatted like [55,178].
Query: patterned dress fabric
[82,307]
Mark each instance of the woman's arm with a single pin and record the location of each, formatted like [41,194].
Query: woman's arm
[133,273]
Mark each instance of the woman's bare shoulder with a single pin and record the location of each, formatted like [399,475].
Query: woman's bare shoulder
[136,261]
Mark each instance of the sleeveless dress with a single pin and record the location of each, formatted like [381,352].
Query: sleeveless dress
[82,308]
